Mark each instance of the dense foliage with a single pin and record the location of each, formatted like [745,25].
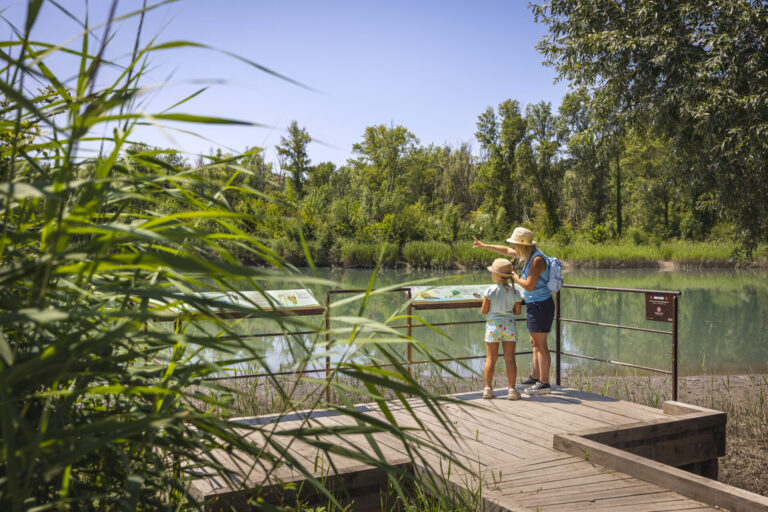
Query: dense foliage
[557,173]
[694,72]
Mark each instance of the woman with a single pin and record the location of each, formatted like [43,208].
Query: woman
[539,305]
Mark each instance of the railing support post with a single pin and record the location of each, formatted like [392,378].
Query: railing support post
[327,348]
[674,347]
[557,338]
[410,332]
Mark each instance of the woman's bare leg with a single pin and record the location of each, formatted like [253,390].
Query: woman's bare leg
[541,355]
[535,371]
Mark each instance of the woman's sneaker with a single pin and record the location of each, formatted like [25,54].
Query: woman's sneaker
[530,381]
[513,394]
[540,388]
[487,393]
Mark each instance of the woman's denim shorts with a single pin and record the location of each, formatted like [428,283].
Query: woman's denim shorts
[539,315]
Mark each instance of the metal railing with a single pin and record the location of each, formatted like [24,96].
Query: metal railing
[559,320]
[558,332]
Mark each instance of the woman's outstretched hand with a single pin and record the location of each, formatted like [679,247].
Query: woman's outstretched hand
[477,243]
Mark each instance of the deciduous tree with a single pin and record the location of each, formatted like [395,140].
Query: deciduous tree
[695,71]
[293,155]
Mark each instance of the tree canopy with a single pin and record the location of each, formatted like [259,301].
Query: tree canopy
[695,71]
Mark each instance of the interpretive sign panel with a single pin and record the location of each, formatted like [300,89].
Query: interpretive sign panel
[448,297]
[295,302]
[659,307]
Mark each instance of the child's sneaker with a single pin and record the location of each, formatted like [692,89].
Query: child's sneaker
[540,388]
[513,394]
[487,392]
[530,381]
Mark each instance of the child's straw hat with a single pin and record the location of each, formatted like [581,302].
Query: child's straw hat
[521,236]
[501,266]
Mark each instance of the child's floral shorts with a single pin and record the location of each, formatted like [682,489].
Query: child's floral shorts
[500,330]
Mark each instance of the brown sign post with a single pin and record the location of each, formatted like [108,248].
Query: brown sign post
[659,307]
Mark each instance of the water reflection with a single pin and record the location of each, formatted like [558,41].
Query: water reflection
[723,321]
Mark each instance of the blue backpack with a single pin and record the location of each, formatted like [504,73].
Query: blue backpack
[555,281]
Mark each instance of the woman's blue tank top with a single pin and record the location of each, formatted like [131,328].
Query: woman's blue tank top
[540,291]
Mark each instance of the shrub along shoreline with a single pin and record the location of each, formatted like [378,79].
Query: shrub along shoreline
[461,255]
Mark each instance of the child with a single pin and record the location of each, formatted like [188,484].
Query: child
[501,302]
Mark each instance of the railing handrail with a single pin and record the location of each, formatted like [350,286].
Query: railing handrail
[628,290]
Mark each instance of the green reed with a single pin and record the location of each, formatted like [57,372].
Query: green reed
[436,255]
[355,254]
[101,406]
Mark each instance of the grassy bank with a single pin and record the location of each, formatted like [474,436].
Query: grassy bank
[581,254]
[628,255]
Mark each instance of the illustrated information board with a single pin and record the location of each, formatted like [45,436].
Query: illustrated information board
[300,302]
[447,297]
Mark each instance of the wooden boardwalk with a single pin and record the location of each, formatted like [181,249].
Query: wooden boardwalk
[518,453]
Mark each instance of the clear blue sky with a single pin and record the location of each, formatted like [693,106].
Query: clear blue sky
[431,66]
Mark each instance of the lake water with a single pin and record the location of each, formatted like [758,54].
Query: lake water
[723,320]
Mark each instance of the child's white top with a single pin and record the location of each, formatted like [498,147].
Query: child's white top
[502,301]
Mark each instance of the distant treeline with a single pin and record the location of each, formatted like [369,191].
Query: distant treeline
[552,172]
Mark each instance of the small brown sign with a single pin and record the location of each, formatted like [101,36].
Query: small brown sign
[659,307]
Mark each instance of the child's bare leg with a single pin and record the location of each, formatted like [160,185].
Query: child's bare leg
[491,356]
[509,362]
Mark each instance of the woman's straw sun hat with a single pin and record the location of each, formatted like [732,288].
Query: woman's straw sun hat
[501,266]
[521,236]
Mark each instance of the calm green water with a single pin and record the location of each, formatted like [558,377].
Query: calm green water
[723,320]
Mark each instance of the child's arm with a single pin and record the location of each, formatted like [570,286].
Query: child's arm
[486,305]
[516,308]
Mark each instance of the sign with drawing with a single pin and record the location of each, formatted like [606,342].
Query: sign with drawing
[447,297]
[298,302]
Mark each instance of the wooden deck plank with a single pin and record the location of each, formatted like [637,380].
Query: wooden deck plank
[579,474]
[563,415]
[541,417]
[636,489]
[621,407]
[553,490]
[500,414]
[499,433]
[388,445]
[589,411]
[490,434]
[553,475]
[633,503]
[430,437]
[313,459]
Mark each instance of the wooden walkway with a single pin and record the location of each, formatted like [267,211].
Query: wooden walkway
[509,447]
